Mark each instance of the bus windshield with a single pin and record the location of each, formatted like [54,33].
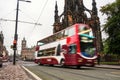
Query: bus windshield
[87,45]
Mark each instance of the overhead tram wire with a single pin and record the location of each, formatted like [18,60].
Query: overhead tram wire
[3,16]
[27,16]
[3,19]
[19,21]
[42,10]
[40,15]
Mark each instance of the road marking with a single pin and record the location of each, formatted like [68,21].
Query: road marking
[34,75]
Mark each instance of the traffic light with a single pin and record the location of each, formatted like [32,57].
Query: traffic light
[14,45]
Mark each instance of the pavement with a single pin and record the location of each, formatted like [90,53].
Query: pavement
[14,72]
[19,72]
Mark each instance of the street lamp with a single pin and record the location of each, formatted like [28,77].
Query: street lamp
[16,35]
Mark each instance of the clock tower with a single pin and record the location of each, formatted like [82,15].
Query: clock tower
[23,43]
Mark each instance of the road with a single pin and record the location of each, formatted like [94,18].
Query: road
[84,73]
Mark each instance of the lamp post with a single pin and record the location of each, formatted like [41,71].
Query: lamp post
[16,35]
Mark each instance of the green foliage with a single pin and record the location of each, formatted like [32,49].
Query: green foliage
[112,27]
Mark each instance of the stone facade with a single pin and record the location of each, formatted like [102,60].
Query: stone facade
[1,42]
[3,50]
[27,53]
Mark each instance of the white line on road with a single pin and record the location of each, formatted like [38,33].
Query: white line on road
[34,75]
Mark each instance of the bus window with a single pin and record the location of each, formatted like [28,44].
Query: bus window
[48,52]
[71,32]
[40,43]
[59,35]
[63,33]
[82,28]
[66,33]
[87,46]
[72,49]
[39,54]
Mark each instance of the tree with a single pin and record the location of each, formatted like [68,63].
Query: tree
[112,26]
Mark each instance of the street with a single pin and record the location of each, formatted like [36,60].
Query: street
[70,73]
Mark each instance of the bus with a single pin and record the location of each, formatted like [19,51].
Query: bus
[73,46]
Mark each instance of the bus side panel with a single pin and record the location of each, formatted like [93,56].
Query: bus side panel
[48,61]
[89,62]
[36,61]
[72,59]
[77,60]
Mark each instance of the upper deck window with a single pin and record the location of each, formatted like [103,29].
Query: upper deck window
[71,31]
[85,30]
[82,28]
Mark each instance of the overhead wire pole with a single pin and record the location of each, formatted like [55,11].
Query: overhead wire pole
[16,35]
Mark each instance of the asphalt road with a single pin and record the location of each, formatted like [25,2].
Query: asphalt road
[84,73]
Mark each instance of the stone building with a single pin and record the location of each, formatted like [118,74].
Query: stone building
[27,53]
[76,12]
[1,42]
[3,50]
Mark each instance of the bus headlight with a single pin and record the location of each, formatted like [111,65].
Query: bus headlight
[80,60]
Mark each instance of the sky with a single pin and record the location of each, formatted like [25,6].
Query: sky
[38,11]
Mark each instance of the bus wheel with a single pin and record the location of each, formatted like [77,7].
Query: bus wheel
[62,63]
[58,50]
[78,66]
[51,65]
[39,63]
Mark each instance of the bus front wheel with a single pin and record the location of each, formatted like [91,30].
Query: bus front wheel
[78,66]
[39,63]
[62,63]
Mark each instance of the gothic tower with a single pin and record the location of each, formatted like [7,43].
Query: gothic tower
[96,27]
[74,12]
[56,20]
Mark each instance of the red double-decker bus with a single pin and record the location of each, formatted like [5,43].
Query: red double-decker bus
[73,46]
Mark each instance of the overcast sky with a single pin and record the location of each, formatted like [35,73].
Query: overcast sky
[40,11]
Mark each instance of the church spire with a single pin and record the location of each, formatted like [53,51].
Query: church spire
[96,28]
[94,8]
[56,13]
[56,24]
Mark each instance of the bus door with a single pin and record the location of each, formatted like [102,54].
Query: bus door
[70,57]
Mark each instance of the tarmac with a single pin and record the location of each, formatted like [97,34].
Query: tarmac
[108,66]
[19,72]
